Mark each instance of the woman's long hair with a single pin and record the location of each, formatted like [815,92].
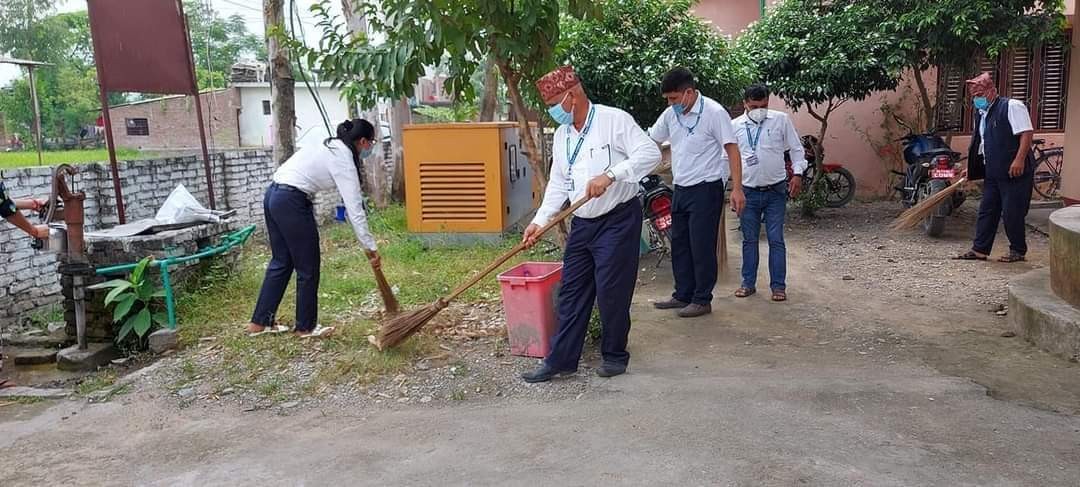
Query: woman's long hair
[349,132]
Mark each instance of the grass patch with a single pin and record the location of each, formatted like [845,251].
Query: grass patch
[225,302]
[11,160]
[97,382]
[23,400]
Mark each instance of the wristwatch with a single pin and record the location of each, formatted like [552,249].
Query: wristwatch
[611,174]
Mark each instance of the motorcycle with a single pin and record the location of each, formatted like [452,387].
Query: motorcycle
[656,199]
[931,167]
[839,182]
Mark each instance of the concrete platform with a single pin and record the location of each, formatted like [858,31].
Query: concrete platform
[1065,254]
[95,355]
[1041,317]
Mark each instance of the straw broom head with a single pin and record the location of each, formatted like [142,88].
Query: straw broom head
[398,329]
[916,214]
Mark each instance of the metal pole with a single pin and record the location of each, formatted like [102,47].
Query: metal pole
[37,113]
[205,154]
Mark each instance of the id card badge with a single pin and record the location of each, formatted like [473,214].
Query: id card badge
[751,160]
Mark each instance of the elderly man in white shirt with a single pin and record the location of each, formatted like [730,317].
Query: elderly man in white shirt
[293,232]
[600,152]
[701,136]
[764,136]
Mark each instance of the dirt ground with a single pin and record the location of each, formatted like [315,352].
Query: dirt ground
[886,367]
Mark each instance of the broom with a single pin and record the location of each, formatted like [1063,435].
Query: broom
[396,330]
[388,298]
[721,247]
[916,214]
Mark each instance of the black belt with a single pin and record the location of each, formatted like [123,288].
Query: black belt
[286,187]
[769,187]
[619,207]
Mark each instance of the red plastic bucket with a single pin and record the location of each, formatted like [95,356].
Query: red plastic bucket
[529,292]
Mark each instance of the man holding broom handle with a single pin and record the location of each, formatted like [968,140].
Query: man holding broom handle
[1000,154]
[701,134]
[598,152]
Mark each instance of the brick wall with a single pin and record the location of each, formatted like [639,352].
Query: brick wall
[28,279]
[172,122]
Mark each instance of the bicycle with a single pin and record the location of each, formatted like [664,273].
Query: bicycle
[1048,164]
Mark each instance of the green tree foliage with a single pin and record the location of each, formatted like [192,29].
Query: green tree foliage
[229,42]
[520,35]
[622,55]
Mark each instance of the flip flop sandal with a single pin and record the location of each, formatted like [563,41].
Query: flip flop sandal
[970,255]
[270,330]
[319,332]
[4,384]
[1011,257]
[744,292]
[779,295]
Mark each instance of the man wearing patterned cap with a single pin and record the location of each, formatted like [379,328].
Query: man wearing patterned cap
[1000,154]
[600,152]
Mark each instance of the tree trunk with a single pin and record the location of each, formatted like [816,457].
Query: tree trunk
[282,84]
[374,167]
[927,105]
[399,118]
[489,103]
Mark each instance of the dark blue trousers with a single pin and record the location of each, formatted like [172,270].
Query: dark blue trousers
[599,266]
[1008,200]
[294,243]
[695,224]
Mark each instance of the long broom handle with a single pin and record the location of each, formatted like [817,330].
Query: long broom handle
[514,251]
[386,291]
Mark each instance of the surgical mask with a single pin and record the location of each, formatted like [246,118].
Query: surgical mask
[981,102]
[758,115]
[680,108]
[559,114]
[365,152]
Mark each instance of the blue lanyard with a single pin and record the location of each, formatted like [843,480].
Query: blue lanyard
[571,158]
[752,138]
[701,108]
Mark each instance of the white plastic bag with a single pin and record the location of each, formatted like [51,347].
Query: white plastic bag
[182,207]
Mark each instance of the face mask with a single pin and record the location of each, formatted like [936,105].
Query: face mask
[758,115]
[559,114]
[680,108]
[365,152]
[981,102]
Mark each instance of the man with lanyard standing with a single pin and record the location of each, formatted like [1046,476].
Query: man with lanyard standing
[600,152]
[1000,153]
[764,135]
[700,132]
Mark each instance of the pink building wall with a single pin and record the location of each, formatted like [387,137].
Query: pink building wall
[859,133]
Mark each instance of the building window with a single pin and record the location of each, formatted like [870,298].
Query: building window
[266,107]
[1039,77]
[137,126]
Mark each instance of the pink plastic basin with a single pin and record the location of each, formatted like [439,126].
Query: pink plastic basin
[529,291]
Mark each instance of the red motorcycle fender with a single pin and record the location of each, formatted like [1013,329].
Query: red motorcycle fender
[831,167]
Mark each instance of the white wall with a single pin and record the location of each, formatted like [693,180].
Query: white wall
[256,129]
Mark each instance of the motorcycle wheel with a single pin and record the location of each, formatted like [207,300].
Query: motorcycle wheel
[934,225]
[840,188]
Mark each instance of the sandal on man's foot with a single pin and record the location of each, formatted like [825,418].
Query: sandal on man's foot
[779,295]
[319,332]
[268,330]
[745,292]
[970,255]
[1011,257]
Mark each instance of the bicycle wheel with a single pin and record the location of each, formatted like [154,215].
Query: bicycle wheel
[1048,174]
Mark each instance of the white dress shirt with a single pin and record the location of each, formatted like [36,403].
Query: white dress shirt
[614,142]
[1019,118]
[697,141]
[319,167]
[764,165]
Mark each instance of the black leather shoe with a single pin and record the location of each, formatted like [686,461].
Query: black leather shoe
[670,304]
[543,374]
[611,370]
[694,310]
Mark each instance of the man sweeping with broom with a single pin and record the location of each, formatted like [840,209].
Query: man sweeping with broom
[1000,154]
[599,152]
